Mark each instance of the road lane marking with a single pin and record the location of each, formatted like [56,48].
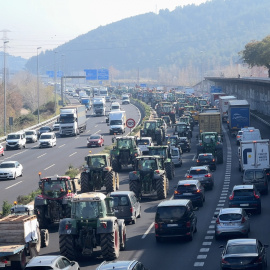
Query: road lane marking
[13,185]
[194,157]
[96,125]
[49,167]
[61,145]
[148,230]
[42,155]
[97,132]
[73,154]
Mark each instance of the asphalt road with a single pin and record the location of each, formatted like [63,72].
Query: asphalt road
[56,160]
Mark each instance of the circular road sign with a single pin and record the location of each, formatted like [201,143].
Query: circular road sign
[130,123]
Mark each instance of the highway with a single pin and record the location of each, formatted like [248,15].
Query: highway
[203,252]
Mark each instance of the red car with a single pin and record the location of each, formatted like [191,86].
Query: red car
[2,152]
[95,140]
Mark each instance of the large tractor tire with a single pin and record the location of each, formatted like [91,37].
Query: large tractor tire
[85,185]
[110,244]
[220,156]
[43,221]
[44,237]
[161,188]
[67,247]
[110,182]
[116,165]
[135,187]
[169,168]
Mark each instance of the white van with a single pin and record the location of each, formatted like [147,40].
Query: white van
[240,134]
[117,122]
[143,144]
[47,139]
[251,135]
[31,136]
[125,99]
[16,140]
[176,156]
[115,106]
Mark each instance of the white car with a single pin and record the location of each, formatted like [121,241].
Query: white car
[47,139]
[10,170]
[143,144]
[176,156]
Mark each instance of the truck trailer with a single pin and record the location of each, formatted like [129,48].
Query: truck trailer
[210,122]
[223,106]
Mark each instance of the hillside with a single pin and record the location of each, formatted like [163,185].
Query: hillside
[203,37]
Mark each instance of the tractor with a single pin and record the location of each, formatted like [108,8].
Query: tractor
[164,152]
[92,224]
[124,152]
[162,124]
[182,129]
[210,142]
[98,173]
[150,129]
[53,203]
[149,177]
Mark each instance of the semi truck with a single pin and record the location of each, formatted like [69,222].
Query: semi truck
[238,115]
[210,122]
[99,106]
[72,120]
[215,97]
[117,122]
[223,106]
[254,155]
[85,100]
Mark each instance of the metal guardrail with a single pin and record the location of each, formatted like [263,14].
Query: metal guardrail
[259,118]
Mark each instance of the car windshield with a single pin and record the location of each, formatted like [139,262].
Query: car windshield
[147,164]
[243,192]
[7,165]
[95,137]
[29,132]
[174,152]
[186,188]
[86,210]
[158,152]
[250,175]
[180,128]
[150,125]
[206,157]
[198,171]
[54,189]
[143,142]
[172,141]
[45,136]
[124,143]
[44,129]
[120,201]
[115,122]
[230,217]
[13,136]
[170,212]
[240,249]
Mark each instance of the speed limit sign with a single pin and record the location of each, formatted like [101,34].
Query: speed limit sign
[130,123]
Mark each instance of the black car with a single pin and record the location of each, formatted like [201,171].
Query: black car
[247,197]
[175,218]
[207,159]
[243,254]
[185,144]
[44,130]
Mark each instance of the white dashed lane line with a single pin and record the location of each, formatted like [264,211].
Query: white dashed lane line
[42,155]
[72,154]
[13,185]
[61,145]
[49,167]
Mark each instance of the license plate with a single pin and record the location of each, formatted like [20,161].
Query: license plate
[116,211]
[228,224]
[244,204]
[187,193]
[172,225]
[2,264]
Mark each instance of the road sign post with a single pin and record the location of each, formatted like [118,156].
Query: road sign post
[130,123]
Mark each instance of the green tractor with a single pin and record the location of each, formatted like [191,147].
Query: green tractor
[98,173]
[210,142]
[124,153]
[163,125]
[92,224]
[151,129]
[149,177]
[164,152]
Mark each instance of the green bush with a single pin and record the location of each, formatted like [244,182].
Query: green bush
[72,172]
[6,208]
[25,199]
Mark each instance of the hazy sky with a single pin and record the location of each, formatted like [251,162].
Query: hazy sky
[50,23]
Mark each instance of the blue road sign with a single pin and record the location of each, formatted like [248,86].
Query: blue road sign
[91,74]
[103,74]
[50,73]
[100,82]
[143,85]
[60,73]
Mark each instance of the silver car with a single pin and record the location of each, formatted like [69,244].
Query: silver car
[232,221]
[176,156]
[52,262]
[203,174]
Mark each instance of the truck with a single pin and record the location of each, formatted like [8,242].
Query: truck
[254,155]
[238,115]
[210,121]
[85,100]
[99,106]
[223,106]
[214,97]
[117,122]
[72,120]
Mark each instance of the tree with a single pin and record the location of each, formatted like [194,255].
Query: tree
[257,53]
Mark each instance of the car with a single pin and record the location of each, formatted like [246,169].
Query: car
[31,136]
[191,190]
[244,253]
[56,126]
[122,265]
[75,95]
[246,197]
[257,177]
[167,120]
[113,97]
[52,262]
[95,140]
[143,144]
[207,159]
[175,218]
[203,174]
[108,99]
[10,170]
[47,140]
[176,156]
[185,144]
[126,206]
[16,140]
[2,150]
[44,130]
[232,221]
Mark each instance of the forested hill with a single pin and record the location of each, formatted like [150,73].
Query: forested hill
[214,32]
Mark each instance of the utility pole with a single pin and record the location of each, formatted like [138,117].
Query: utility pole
[38,85]
[55,105]
[5,92]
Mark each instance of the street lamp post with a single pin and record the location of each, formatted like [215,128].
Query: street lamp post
[55,81]
[62,87]
[5,94]
[38,86]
